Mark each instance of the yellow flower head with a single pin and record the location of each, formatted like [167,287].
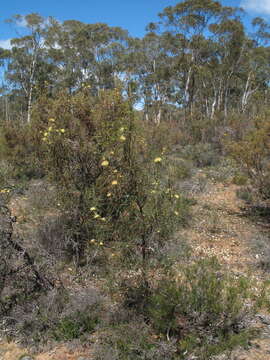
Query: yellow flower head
[96,216]
[93,208]
[92,241]
[62,131]
[176,213]
[115,171]
[101,243]
[112,153]
[122,138]
[52,120]
[176,196]
[109,194]
[50,128]
[4,191]
[157,160]
[122,129]
[105,163]
[103,219]
[45,134]
[114,182]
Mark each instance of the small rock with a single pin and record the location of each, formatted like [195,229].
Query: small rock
[265,319]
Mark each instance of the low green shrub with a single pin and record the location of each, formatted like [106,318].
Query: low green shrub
[133,341]
[202,154]
[79,323]
[20,147]
[246,194]
[57,314]
[240,179]
[203,308]
[252,154]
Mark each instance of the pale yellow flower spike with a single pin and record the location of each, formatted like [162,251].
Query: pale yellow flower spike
[105,163]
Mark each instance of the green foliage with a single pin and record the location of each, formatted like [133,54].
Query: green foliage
[108,179]
[245,194]
[112,181]
[187,308]
[240,179]
[74,326]
[252,153]
[19,146]
[202,154]
[133,341]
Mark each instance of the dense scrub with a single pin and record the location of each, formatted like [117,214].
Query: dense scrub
[114,203]
[97,254]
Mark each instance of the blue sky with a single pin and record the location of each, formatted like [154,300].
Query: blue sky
[132,15]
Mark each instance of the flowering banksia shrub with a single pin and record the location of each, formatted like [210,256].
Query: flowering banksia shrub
[109,181]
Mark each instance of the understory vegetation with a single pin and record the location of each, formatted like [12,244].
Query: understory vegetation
[103,192]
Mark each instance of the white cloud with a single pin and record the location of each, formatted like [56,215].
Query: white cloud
[257,6]
[5,44]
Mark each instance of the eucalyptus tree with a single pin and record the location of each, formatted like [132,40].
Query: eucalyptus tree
[147,71]
[188,23]
[26,58]
[85,54]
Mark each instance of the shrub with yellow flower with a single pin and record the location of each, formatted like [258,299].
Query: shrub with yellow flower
[105,163]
